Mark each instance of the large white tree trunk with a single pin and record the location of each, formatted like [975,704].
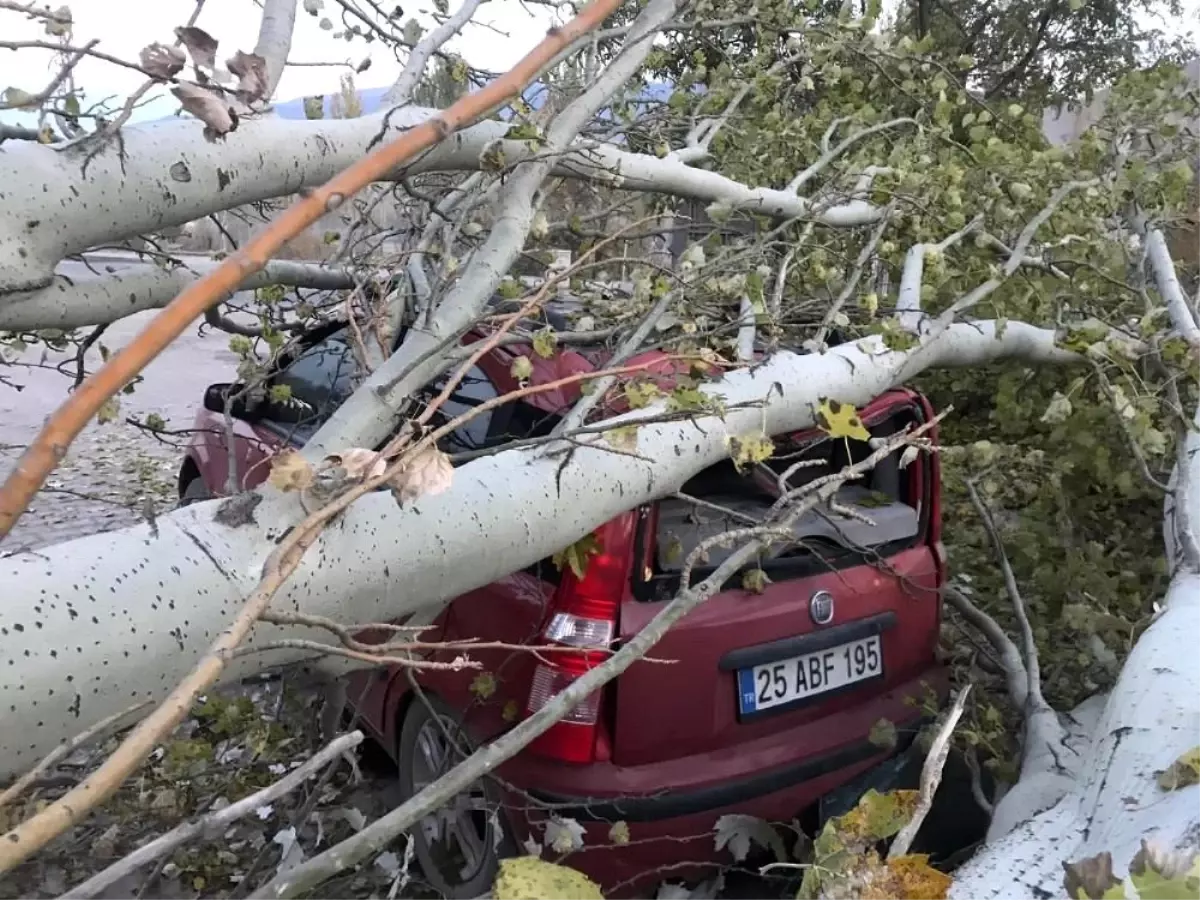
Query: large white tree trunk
[170,175]
[89,626]
[1114,801]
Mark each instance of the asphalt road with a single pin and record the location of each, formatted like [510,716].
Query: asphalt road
[114,473]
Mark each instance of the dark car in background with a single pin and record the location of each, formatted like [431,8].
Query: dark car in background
[771,695]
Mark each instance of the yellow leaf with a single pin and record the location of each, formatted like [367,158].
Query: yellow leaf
[290,472]
[909,878]
[484,685]
[1181,773]
[545,342]
[877,816]
[623,438]
[840,420]
[750,451]
[109,411]
[619,833]
[510,712]
[522,369]
[576,556]
[530,878]
[641,393]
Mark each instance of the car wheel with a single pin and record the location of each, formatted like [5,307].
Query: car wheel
[457,844]
[195,492]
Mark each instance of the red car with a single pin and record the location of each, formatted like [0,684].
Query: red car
[769,698]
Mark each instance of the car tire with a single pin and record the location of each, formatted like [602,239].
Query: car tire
[195,492]
[456,846]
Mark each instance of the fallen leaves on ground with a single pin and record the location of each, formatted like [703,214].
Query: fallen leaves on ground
[530,878]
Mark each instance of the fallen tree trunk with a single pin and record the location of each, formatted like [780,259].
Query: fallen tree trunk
[82,621]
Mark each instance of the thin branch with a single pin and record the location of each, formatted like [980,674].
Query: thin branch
[1034,700]
[1011,662]
[418,59]
[830,155]
[578,415]
[931,777]
[1158,257]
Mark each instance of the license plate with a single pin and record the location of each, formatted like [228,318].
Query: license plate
[801,677]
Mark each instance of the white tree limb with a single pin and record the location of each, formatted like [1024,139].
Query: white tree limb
[418,59]
[105,297]
[368,416]
[169,174]
[275,39]
[931,776]
[91,612]
[1163,268]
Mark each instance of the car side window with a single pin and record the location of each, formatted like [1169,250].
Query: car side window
[320,378]
[474,389]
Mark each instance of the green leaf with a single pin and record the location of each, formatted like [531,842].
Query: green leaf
[755,581]
[524,131]
[522,369]
[483,685]
[639,394]
[109,411]
[1185,771]
[577,555]
[18,98]
[545,342]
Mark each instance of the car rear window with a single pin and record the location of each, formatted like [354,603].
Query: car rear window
[884,512]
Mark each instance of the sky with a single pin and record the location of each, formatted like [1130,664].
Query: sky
[124,27]
[503,31]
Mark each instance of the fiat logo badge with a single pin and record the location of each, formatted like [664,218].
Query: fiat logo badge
[820,607]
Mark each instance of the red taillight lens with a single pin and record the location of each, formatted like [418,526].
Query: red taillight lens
[584,618]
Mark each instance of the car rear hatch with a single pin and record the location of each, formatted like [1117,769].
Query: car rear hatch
[759,657]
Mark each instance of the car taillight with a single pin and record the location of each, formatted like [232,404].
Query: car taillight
[584,618]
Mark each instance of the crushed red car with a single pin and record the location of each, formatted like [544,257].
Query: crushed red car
[762,701]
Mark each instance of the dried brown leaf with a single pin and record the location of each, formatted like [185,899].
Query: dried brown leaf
[201,45]
[209,107]
[290,472]
[251,71]
[58,23]
[428,472]
[358,462]
[162,61]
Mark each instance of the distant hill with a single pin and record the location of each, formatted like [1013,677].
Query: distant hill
[372,99]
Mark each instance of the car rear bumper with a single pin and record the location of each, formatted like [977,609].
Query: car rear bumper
[671,807]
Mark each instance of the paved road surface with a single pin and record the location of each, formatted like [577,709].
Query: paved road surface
[112,471]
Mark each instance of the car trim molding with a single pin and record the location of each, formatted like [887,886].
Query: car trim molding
[676,804]
[746,657]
